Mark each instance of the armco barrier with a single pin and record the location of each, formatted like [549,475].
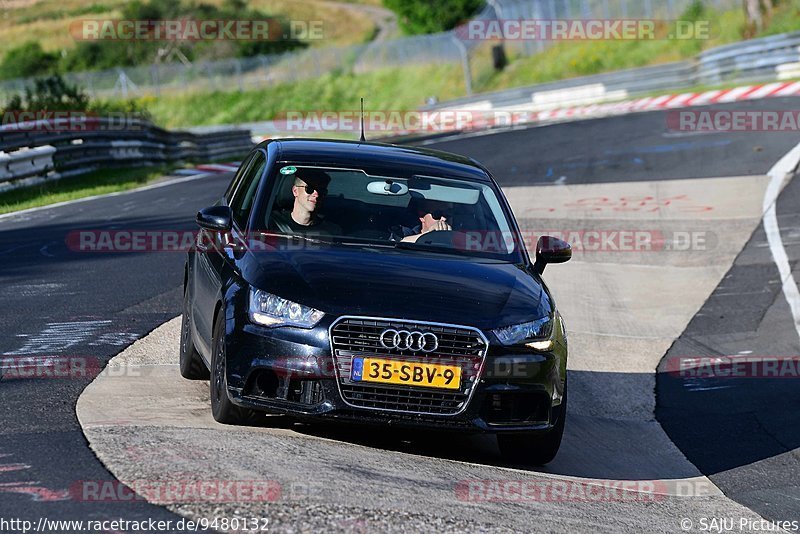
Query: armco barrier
[748,60]
[776,57]
[47,150]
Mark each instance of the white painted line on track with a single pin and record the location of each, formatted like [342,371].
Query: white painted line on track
[778,174]
[115,194]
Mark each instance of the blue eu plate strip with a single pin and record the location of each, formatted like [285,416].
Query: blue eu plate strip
[357,370]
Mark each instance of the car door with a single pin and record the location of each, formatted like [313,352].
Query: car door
[216,262]
[202,279]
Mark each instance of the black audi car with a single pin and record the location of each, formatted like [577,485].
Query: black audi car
[380,285]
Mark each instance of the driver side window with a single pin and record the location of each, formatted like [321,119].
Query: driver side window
[242,200]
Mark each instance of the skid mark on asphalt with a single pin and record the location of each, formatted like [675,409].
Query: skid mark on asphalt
[60,336]
[29,488]
[684,199]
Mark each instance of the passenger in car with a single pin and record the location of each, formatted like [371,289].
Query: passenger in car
[309,189]
[433,216]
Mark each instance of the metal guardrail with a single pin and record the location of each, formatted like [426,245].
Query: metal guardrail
[764,59]
[748,60]
[43,150]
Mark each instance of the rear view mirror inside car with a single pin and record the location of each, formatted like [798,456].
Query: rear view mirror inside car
[387,187]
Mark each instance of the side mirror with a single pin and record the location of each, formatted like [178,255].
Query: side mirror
[215,218]
[551,250]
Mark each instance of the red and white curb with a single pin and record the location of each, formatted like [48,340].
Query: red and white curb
[494,118]
[218,167]
[683,100]
[521,115]
[210,168]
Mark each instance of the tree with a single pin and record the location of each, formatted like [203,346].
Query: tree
[27,60]
[754,11]
[426,16]
[51,94]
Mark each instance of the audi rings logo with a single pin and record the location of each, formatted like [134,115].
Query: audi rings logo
[405,340]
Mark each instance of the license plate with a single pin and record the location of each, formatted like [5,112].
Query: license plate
[428,375]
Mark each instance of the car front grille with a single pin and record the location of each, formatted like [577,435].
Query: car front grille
[360,337]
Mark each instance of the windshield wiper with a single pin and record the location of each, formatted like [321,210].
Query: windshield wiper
[330,240]
[298,237]
[410,245]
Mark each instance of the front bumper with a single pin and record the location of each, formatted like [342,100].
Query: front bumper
[292,371]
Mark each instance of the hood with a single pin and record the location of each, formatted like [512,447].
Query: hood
[405,284]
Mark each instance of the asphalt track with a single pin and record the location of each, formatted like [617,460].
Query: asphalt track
[59,302]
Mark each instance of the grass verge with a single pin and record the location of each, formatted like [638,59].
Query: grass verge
[406,88]
[584,58]
[94,183]
[48,21]
[391,89]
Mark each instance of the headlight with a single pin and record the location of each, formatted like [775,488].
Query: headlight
[536,334]
[271,310]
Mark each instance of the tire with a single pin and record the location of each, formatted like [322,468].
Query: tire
[191,365]
[535,449]
[222,409]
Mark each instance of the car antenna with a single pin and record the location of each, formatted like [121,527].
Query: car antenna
[363,139]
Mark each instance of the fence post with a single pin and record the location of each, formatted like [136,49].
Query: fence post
[265,66]
[154,76]
[238,66]
[586,11]
[464,64]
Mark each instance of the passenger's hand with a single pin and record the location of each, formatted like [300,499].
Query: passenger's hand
[440,225]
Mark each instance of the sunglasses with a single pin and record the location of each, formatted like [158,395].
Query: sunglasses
[310,190]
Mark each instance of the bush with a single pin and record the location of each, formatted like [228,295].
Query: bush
[56,94]
[27,60]
[101,55]
[51,94]
[131,106]
[425,16]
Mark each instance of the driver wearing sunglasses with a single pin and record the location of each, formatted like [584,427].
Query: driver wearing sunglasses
[310,187]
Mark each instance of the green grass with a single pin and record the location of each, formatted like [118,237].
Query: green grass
[95,183]
[407,88]
[785,19]
[570,59]
[387,90]
[48,21]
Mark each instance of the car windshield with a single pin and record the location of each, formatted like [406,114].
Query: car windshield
[345,206]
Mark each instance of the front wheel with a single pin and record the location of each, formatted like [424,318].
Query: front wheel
[223,410]
[535,449]
[191,366]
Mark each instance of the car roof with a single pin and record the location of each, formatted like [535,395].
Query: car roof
[379,159]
